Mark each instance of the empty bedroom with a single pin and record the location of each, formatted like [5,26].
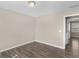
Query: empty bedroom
[39,29]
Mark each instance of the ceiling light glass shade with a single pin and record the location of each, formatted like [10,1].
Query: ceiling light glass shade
[32,3]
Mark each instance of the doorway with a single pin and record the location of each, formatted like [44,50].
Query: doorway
[72,35]
[71,28]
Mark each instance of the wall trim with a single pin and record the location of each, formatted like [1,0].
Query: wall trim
[71,15]
[64,29]
[16,46]
[31,42]
[49,44]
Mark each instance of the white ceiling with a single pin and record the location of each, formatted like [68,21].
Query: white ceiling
[41,8]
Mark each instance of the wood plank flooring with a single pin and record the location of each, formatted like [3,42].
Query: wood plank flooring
[39,50]
[72,50]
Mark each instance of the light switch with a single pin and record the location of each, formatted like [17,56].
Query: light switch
[60,31]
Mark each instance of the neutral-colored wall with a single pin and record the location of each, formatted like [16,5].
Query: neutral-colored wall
[15,29]
[50,29]
[71,12]
[75,29]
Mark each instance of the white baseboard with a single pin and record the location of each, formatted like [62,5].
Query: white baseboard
[31,42]
[16,46]
[50,44]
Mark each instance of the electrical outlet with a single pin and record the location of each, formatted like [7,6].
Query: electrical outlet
[15,56]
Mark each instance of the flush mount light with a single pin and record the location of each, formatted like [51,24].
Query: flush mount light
[31,3]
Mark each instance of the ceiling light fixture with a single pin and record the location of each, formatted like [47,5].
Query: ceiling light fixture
[31,3]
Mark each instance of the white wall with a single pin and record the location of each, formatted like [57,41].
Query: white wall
[75,29]
[48,27]
[15,29]
[71,12]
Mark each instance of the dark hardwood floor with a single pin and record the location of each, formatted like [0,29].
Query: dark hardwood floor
[39,50]
[72,50]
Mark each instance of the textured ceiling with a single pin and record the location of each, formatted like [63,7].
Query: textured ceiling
[41,8]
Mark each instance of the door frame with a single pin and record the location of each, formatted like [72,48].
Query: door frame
[64,28]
